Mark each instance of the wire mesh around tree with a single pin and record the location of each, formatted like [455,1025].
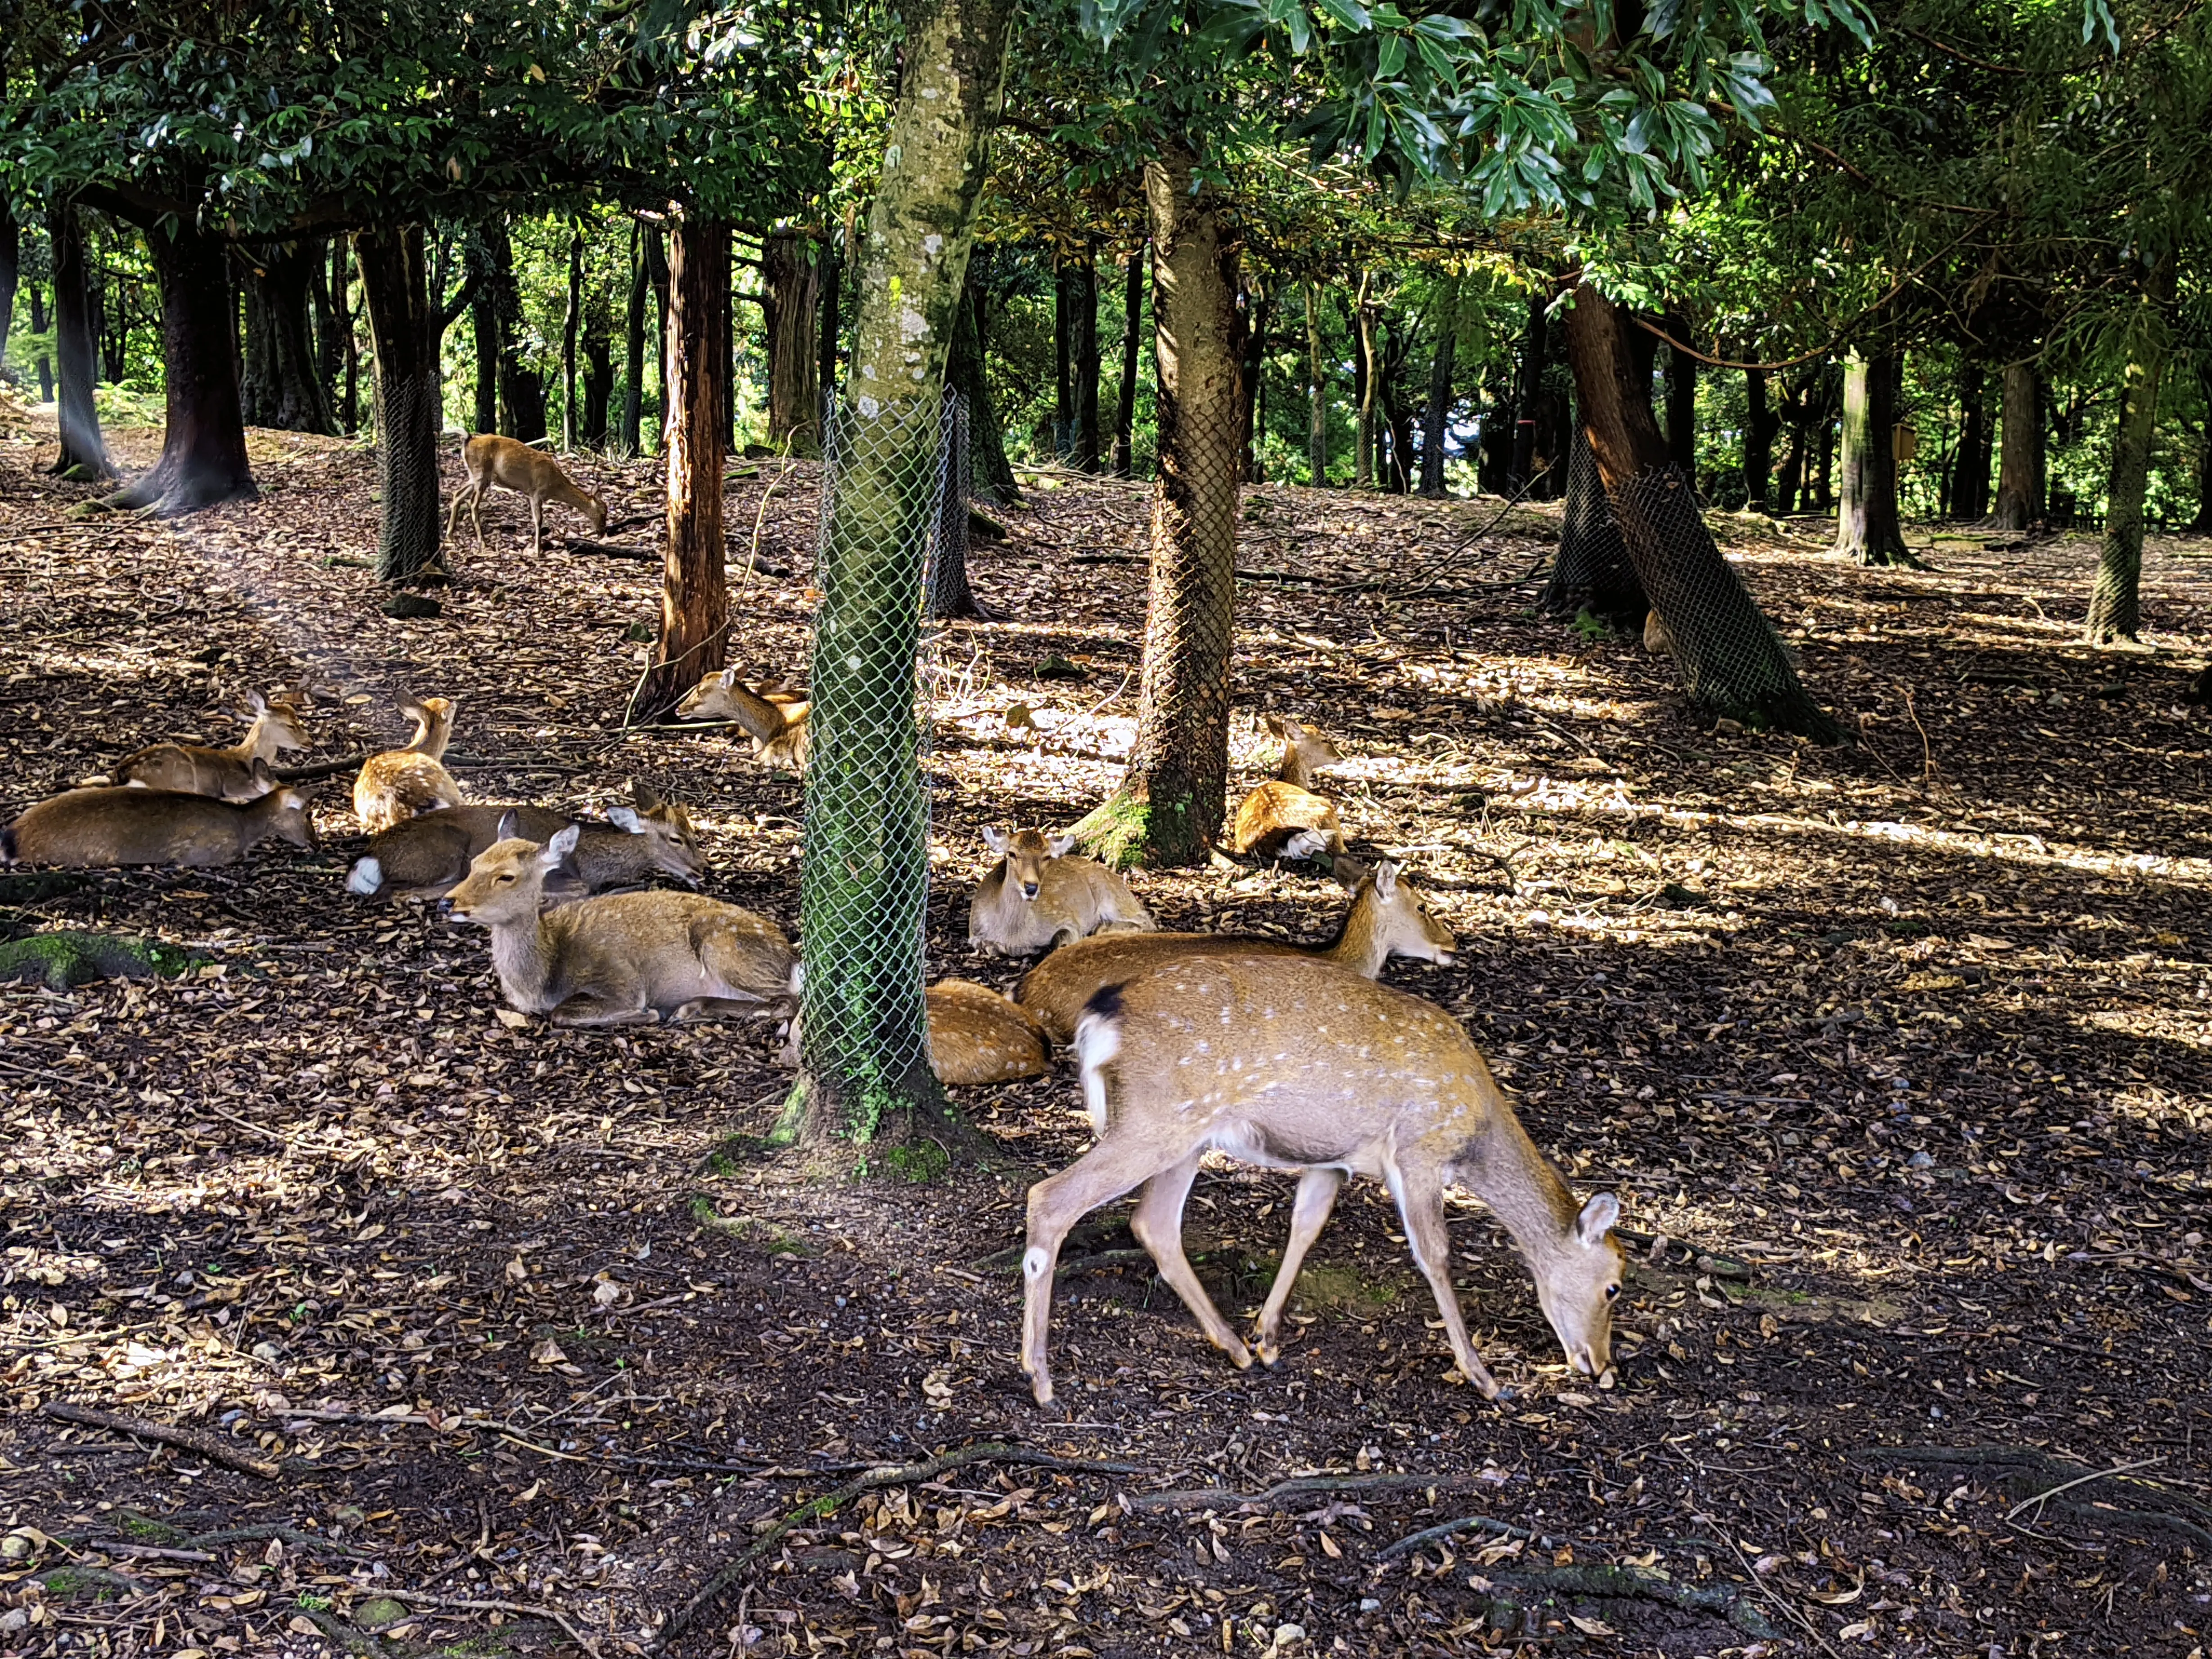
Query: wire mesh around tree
[890,488]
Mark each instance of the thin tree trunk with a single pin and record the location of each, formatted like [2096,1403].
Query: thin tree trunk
[791,292]
[1168,809]
[39,326]
[1318,393]
[632,407]
[1529,391]
[571,318]
[1252,384]
[2202,524]
[1970,467]
[1086,446]
[346,314]
[1866,528]
[1363,466]
[204,459]
[11,248]
[1398,423]
[1682,399]
[1731,662]
[833,265]
[403,329]
[991,474]
[656,267]
[1132,316]
[1758,430]
[484,322]
[84,451]
[949,595]
[325,287]
[866,1078]
[694,604]
[2019,465]
[598,379]
[2116,602]
[1436,427]
[1593,572]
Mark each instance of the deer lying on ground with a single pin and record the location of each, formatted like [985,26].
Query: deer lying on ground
[1658,638]
[1300,1065]
[195,769]
[507,464]
[400,783]
[774,717]
[125,823]
[976,1035]
[1284,818]
[1037,896]
[1388,918]
[423,856]
[622,958]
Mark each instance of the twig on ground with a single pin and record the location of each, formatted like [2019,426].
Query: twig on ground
[1305,1486]
[206,1445]
[2082,1480]
[1634,1583]
[465,1605]
[1408,1545]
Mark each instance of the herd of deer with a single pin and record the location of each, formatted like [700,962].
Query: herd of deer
[1286,1057]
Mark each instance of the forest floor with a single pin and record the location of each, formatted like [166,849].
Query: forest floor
[481,1341]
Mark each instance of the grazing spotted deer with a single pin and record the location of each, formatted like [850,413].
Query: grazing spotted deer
[400,783]
[197,768]
[492,461]
[774,717]
[424,857]
[1389,917]
[1037,896]
[1284,818]
[622,958]
[1303,1064]
[124,823]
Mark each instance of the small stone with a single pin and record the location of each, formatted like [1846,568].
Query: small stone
[1286,1634]
[1368,1604]
[379,1611]
[14,1620]
[16,1546]
[269,1352]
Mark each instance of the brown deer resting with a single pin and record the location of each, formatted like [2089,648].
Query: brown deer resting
[975,1037]
[400,783]
[1300,1065]
[1284,818]
[490,460]
[1037,896]
[1388,918]
[124,824]
[197,768]
[422,857]
[623,958]
[773,717]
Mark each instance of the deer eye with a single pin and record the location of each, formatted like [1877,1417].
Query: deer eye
[1610,1291]
[506,879]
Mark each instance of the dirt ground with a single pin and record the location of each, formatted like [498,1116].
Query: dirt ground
[481,1341]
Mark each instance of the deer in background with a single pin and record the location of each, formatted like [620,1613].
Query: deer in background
[1389,917]
[400,783]
[195,768]
[128,823]
[1284,818]
[622,958]
[772,716]
[492,461]
[1037,896]
[1300,1065]
[976,1035]
[422,857]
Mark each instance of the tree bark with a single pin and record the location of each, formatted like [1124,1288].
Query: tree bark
[1168,809]
[1758,428]
[1593,572]
[1362,466]
[571,318]
[695,600]
[833,265]
[204,459]
[656,270]
[599,383]
[1086,448]
[39,326]
[1397,421]
[11,247]
[791,299]
[2116,601]
[1318,393]
[1867,527]
[1436,427]
[283,387]
[1534,347]
[950,594]
[2019,465]
[633,408]
[84,451]
[1132,317]
[1682,399]
[325,288]
[991,474]
[866,1078]
[1252,383]
[484,323]
[403,330]
[2202,524]
[340,285]
[1731,662]
[1970,467]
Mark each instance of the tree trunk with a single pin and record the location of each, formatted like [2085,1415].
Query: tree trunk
[2019,466]
[1730,660]
[1758,428]
[11,248]
[2202,524]
[1593,572]
[1824,456]
[1086,449]
[990,473]
[84,451]
[203,443]
[1168,809]
[1132,317]
[949,595]
[1362,464]
[1866,528]
[1252,385]
[1682,399]
[1970,467]
[656,270]
[39,326]
[1398,423]
[483,257]
[598,384]
[790,300]
[633,408]
[695,600]
[283,388]
[570,319]
[864,875]
[1318,393]
[2116,602]
[340,285]
[833,265]
[326,286]
[1436,427]
[403,330]
[1534,345]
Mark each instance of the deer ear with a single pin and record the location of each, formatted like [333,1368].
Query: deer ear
[1061,846]
[257,703]
[509,826]
[728,677]
[643,796]
[1386,878]
[1273,723]
[557,849]
[1597,1218]
[997,839]
[626,817]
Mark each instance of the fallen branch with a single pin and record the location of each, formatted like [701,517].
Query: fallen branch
[1282,1491]
[207,1446]
[461,1604]
[292,1535]
[2032,1477]
[1427,1535]
[1626,1583]
[890,1474]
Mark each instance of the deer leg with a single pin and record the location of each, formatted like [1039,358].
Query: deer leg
[591,1008]
[1317,1190]
[1157,1224]
[1056,1204]
[537,526]
[476,514]
[453,515]
[719,1008]
[1420,1198]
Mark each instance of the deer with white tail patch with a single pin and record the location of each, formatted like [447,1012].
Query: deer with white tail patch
[1301,1065]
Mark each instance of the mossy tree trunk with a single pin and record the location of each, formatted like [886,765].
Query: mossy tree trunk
[1168,809]
[1867,527]
[2115,603]
[865,1081]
